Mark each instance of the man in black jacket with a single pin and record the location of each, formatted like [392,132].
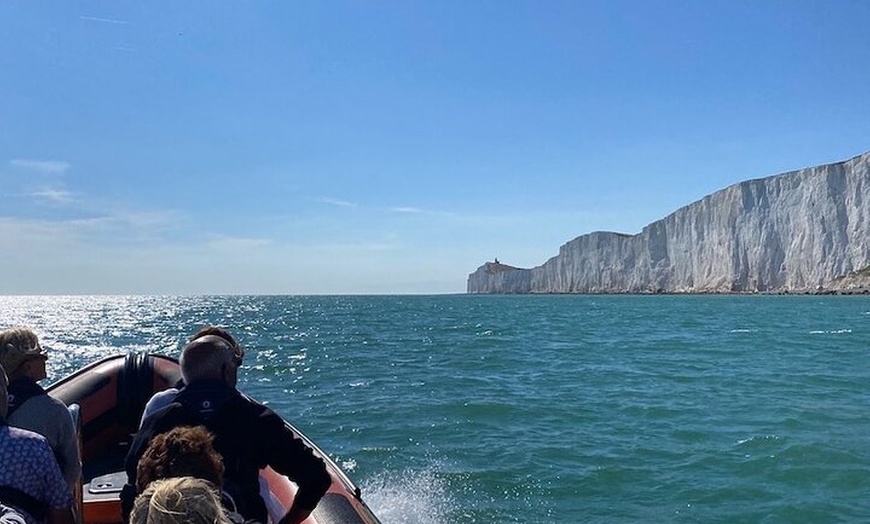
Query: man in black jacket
[247,434]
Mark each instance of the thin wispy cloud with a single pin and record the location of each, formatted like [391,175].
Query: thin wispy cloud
[104,240]
[55,196]
[411,210]
[132,222]
[46,167]
[350,250]
[157,219]
[407,209]
[103,20]
[81,233]
[37,238]
[335,202]
[238,244]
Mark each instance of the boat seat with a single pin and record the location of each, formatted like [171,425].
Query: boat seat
[102,498]
[108,483]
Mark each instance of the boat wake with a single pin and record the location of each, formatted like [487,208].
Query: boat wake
[409,497]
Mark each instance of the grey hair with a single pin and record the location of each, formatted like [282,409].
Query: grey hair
[19,337]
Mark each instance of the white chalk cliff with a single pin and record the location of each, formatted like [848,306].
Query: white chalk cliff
[806,230]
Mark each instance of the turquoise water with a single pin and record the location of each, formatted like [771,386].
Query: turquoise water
[492,409]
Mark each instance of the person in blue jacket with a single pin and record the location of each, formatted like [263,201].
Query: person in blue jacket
[31,484]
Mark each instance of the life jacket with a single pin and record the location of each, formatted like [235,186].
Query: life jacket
[21,390]
[222,411]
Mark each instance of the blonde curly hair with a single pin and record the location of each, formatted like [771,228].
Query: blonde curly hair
[179,500]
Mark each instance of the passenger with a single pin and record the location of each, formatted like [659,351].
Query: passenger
[165,397]
[29,475]
[248,435]
[180,500]
[29,405]
[185,451]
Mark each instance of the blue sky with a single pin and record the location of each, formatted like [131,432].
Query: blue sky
[392,147]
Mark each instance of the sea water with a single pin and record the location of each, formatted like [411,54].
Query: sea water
[538,409]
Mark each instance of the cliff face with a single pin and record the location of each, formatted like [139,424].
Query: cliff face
[799,231]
